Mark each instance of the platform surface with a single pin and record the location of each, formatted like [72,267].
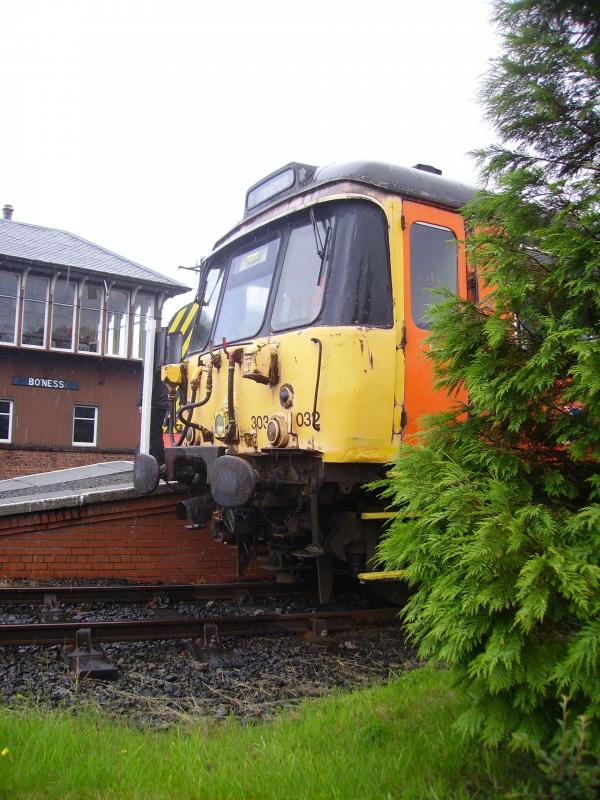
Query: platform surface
[61,488]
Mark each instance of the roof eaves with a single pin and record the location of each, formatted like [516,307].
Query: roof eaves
[161,278]
[174,287]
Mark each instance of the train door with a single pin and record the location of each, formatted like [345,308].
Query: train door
[433,257]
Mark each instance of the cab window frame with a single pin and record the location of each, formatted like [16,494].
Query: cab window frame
[326,264]
[417,288]
[271,234]
[329,311]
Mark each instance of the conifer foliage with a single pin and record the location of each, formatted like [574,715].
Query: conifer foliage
[498,529]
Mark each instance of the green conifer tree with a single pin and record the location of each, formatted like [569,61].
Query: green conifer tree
[498,529]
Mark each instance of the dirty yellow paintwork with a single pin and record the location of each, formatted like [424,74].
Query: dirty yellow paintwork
[361,386]
[397,261]
[172,374]
[378,515]
[391,575]
[355,400]
[260,362]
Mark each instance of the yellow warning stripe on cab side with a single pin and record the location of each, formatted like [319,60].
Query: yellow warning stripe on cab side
[175,321]
[182,322]
[189,318]
[186,344]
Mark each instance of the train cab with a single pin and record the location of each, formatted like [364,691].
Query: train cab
[306,365]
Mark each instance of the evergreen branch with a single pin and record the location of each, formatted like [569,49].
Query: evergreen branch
[499,532]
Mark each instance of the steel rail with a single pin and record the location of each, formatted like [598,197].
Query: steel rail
[162,629]
[138,593]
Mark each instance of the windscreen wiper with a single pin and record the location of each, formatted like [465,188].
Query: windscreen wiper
[320,245]
[200,296]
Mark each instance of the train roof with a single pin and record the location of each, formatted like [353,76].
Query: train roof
[420,183]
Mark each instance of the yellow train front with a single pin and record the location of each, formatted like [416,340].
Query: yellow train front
[305,369]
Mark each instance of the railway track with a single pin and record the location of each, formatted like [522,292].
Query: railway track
[318,624]
[157,593]
[80,640]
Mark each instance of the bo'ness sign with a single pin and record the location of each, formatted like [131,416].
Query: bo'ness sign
[45,383]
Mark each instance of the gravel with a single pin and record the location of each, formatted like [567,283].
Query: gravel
[162,683]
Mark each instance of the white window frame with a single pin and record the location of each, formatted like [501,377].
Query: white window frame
[10,419]
[85,444]
[17,308]
[74,333]
[137,324]
[107,313]
[80,301]
[46,312]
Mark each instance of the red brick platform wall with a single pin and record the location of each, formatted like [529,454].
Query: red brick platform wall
[138,539]
[15,462]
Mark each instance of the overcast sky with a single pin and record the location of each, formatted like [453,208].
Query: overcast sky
[139,124]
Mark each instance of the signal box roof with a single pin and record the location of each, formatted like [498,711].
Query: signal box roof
[22,242]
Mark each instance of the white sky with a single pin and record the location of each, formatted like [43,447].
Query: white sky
[140,124]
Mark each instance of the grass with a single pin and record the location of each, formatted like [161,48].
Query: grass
[389,742]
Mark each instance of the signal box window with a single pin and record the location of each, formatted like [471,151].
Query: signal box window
[9,292]
[117,322]
[85,426]
[144,308]
[90,324]
[433,266]
[6,413]
[35,310]
[63,314]
[246,292]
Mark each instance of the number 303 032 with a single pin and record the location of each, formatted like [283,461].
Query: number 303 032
[303,419]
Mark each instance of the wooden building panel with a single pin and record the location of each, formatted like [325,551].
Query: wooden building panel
[43,413]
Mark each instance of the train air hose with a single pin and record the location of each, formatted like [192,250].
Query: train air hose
[189,407]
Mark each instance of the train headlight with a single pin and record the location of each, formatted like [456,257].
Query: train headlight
[277,431]
[220,425]
[286,396]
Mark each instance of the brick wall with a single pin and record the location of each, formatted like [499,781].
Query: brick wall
[138,539]
[15,462]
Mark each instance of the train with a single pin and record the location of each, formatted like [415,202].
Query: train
[305,366]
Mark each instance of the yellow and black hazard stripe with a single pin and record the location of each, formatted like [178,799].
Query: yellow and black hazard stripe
[183,322]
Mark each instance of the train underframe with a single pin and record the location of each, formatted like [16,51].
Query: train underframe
[288,509]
